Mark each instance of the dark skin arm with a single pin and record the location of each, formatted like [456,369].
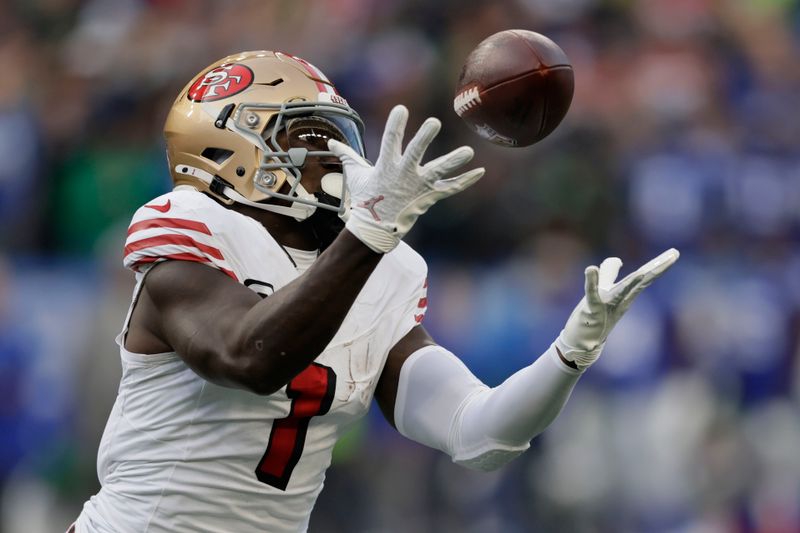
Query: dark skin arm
[386,390]
[230,336]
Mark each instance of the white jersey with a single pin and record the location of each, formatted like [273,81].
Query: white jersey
[181,454]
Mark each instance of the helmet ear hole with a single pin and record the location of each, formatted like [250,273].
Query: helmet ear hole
[217,155]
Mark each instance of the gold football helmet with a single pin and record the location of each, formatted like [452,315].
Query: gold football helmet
[233,132]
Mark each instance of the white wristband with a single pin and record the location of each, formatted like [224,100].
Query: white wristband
[375,237]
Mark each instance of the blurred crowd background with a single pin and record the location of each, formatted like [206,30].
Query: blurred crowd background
[684,131]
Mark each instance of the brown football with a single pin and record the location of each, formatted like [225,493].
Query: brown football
[515,88]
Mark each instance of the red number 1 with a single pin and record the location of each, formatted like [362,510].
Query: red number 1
[311,392]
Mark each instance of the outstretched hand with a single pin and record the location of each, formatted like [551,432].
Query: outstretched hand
[587,328]
[387,198]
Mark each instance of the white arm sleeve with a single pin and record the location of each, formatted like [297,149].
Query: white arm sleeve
[441,404]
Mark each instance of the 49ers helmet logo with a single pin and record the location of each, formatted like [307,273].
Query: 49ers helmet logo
[221,82]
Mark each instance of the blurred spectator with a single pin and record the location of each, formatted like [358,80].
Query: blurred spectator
[21,147]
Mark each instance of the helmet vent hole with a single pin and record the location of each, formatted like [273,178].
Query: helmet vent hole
[273,83]
[217,155]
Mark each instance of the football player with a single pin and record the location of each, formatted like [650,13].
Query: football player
[275,299]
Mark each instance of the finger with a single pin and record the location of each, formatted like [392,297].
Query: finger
[345,153]
[445,165]
[609,269]
[459,183]
[638,281]
[625,289]
[422,139]
[657,266]
[392,141]
[631,295]
[635,291]
[649,276]
[592,277]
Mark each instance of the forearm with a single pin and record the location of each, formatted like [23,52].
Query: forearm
[513,413]
[441,404]
[283,333]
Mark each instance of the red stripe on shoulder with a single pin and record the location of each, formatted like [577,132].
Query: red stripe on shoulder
[180,240]
[186,257]
[179,223]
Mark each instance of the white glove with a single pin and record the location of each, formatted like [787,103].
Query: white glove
[388,198]
[587,328]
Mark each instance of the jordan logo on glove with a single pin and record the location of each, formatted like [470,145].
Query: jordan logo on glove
[370,205]
[406,187]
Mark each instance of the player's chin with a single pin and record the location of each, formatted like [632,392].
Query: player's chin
[325,223]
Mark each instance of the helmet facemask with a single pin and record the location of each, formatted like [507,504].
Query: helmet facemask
[294,135]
